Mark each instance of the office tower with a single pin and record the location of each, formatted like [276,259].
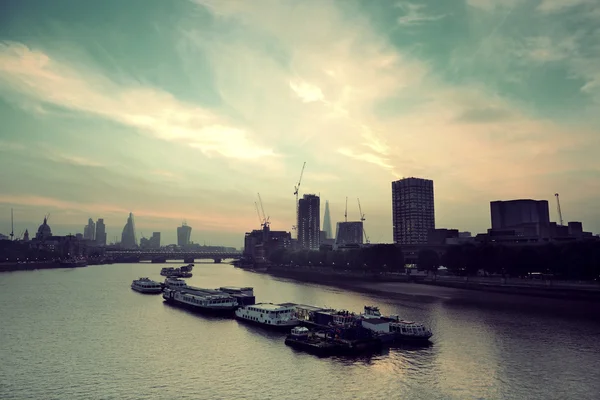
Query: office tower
[412,210]
[184,232]
[350,232]
[154,241]
[327,222]
[100,232]
[309,221]
[89,231]
[128,236]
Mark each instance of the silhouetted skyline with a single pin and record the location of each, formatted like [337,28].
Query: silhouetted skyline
[499,106]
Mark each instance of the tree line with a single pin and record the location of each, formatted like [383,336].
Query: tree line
[573,260]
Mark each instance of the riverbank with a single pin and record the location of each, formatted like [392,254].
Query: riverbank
[390,284]
[28,266]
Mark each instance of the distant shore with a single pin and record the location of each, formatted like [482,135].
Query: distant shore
[392,284]
[28,266]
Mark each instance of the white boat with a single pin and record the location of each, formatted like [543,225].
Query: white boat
[273,316]
[392,328]
[146,285]
[201,301]
[174,283]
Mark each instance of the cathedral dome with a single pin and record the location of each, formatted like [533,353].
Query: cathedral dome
[44,231]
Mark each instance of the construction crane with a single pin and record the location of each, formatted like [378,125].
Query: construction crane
[560,217]
[265,218]
[296,191]
[258,213]
[12,225]
[362,220]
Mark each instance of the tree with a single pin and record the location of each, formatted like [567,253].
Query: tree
[428,260]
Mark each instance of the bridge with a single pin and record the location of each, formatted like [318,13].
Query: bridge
[159,256]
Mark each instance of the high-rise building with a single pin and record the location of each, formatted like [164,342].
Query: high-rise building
[154,241]
[327,222]
[309,221]
[349,233]
[184,232]
[128,236]
[89,231]
[100,232]
[412,210]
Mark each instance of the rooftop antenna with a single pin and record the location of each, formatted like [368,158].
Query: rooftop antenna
[12,225]
[560,217]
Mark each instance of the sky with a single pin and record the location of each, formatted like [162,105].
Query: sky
[186,109]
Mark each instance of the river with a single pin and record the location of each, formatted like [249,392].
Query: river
[84,334]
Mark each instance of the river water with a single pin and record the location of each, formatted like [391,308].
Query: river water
[84,334]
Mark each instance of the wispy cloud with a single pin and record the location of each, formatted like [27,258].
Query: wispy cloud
[414,14]
[492,4]
[550,6]
[36,75]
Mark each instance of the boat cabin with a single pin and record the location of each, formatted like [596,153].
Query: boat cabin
[175,283]
[334,317]
[146,283]
[372,312]
[300,332]
[409,328]
[376,325]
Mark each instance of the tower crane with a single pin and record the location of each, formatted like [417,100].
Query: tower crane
[296,191]
[560,217]
[258,213]
[265,218]
[362,220]
[12,225]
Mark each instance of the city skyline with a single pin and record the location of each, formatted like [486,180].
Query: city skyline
[497,108]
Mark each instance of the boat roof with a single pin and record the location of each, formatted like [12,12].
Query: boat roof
[271,306]
[303,307]
[376,321]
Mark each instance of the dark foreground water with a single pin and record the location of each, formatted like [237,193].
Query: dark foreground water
[84,334]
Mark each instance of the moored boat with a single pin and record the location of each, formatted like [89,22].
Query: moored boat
[243,295]
[392,328]
[269,315]
[176,272]
[73,262]
[301,338]
[173,283]
[201,300]
[146,285]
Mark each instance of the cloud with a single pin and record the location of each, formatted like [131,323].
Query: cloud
[10,146]
[552,6]
[414,15]
[492,4]
[368,157]
[36,75]
[485,114]
[307,92]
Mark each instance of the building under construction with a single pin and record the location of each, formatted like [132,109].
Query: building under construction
[261,243]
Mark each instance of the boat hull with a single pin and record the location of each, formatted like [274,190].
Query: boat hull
[220,311]
[146,290]
[319,347]
[278,328]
